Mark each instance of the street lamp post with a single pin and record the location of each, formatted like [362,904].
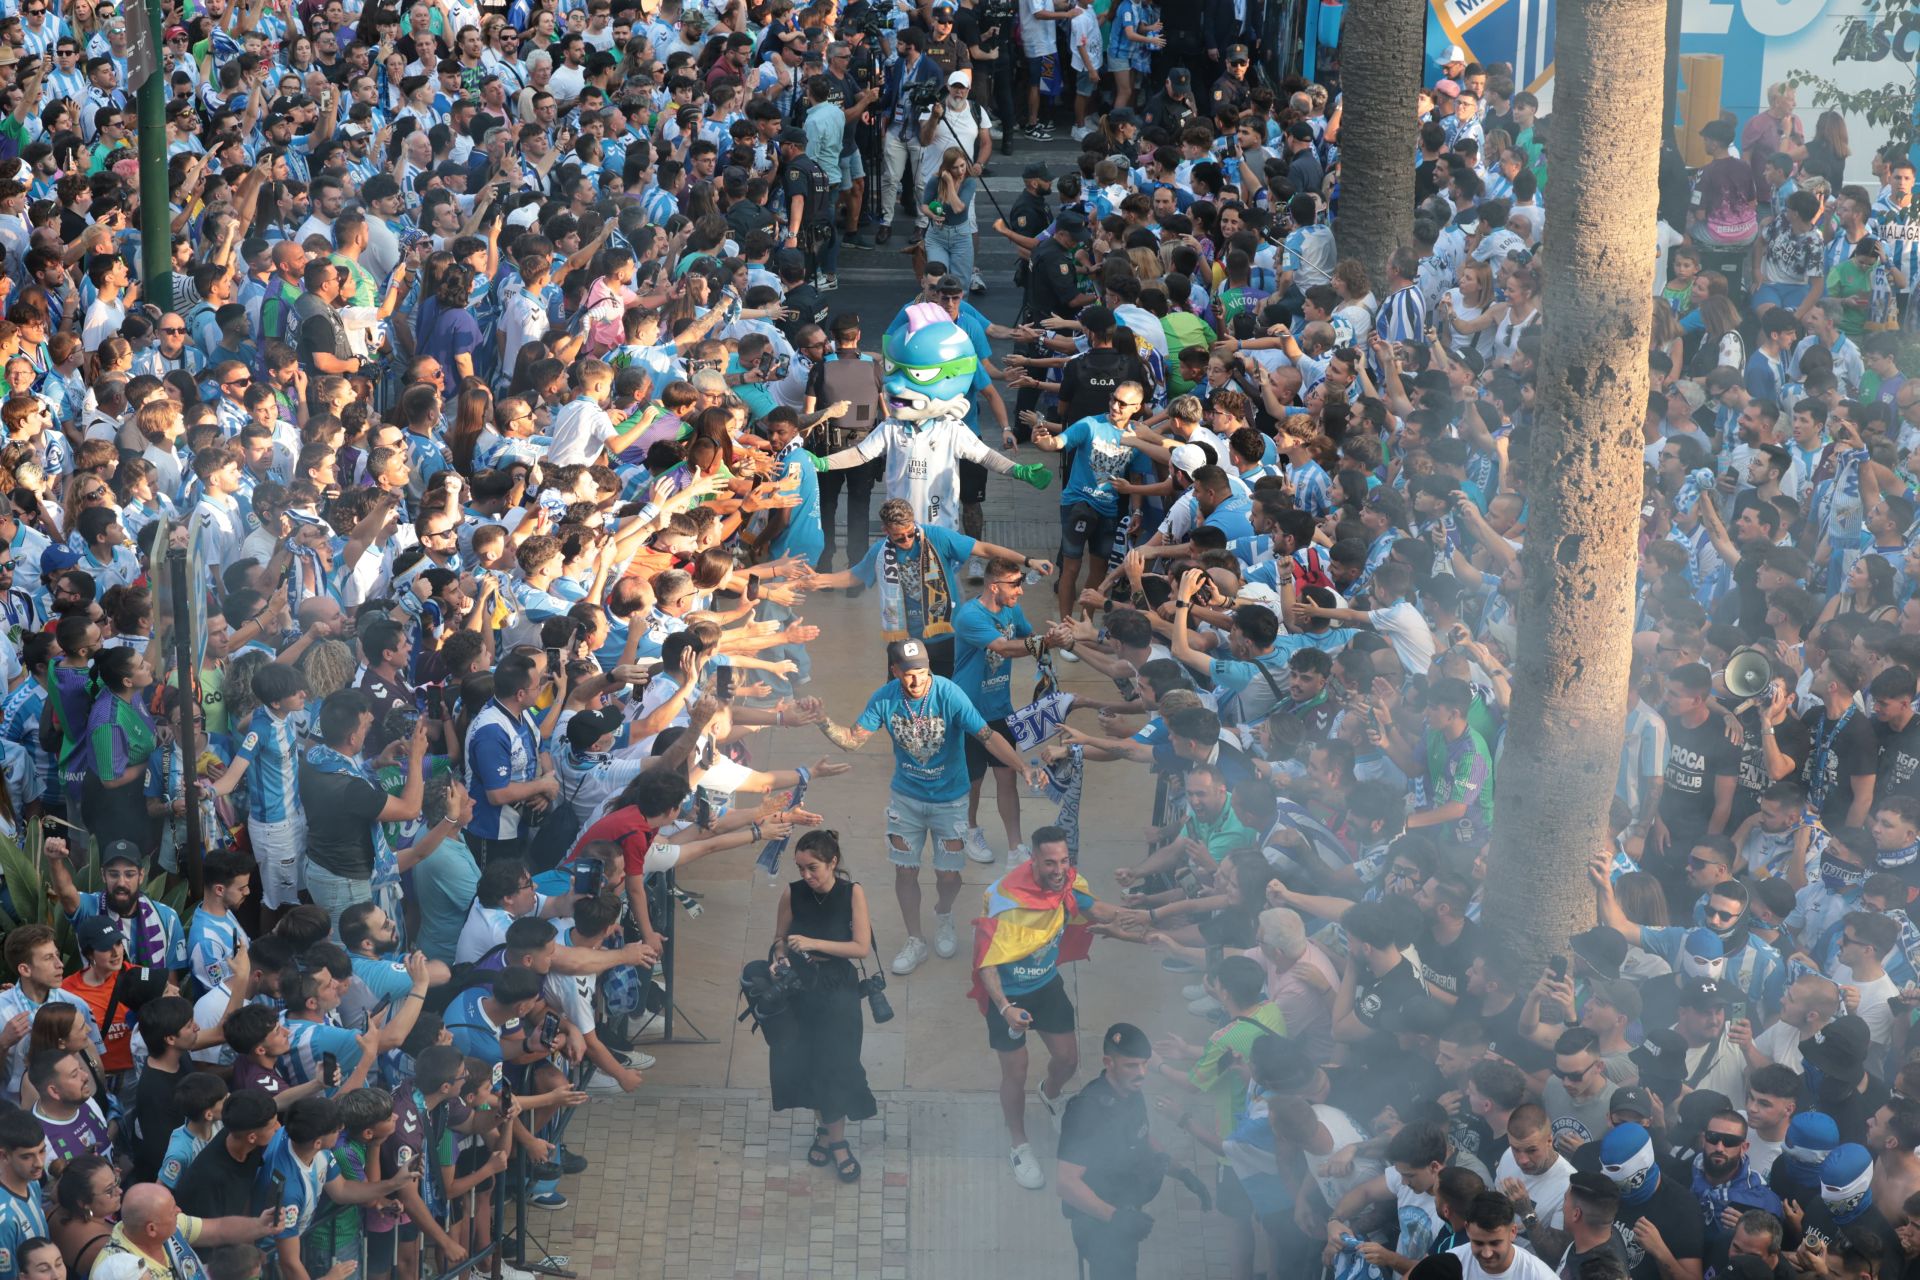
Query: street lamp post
[145,76]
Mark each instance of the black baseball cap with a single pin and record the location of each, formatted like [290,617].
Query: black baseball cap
[798,137]
[1123,1039]
[121,851]
[588,727]
[908,655]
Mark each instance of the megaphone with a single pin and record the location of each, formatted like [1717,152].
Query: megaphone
[1748,672]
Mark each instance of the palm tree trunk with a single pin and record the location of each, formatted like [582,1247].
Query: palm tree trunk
[1582,473]
[1381,59]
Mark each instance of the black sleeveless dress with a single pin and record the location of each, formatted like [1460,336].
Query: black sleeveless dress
[815,1057]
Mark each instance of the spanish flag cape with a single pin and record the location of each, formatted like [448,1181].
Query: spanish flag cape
[1019,918]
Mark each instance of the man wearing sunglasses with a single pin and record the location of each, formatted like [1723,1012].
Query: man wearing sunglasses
[1724,1179]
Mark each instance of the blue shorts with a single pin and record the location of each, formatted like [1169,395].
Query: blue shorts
[915,822]
[1789,296]
[1085,83]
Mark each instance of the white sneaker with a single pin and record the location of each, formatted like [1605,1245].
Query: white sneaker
[1018,854]
[1054,1107]
[1205,1007]
[510,1272]
[944,943]
[603,1083]
[977,285]
[911,957]
[1026,1170]
[975,843]
[1081,130]
[1066,655]
[1192,991]
[976,569]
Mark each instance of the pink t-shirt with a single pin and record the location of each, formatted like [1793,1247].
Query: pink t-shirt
[1308,1008]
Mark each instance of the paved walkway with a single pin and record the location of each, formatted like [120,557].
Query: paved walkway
[694,1177]
[709,1184]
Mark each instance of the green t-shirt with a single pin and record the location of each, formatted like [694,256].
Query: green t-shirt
[1850,280]
[1214,1075]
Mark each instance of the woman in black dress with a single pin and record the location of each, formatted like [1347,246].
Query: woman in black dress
[815,1059]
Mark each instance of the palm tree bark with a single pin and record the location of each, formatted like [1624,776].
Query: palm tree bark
[1382,57]
[1582,471]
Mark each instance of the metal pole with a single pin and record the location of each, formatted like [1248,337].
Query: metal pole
[156,216]
[187,681]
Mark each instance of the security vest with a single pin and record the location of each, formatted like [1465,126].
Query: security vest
[857,381]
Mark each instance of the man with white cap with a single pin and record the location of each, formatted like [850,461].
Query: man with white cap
[1657,1219]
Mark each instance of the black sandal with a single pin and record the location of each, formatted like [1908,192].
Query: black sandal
[847,1169]
[817,1154]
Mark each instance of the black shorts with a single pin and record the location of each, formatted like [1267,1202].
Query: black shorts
[1086,533]
[973,482]
[1050,1009]
[979,759]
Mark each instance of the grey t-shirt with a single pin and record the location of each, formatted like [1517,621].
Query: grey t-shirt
[1585,1118]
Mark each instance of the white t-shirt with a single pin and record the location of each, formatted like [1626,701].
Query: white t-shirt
[1525,1266]
[525,320]
[1781,1043]
[1418,1216]
[1412,639]
[1037,34]
[1873,1008]
[580,430]
[566,83]
[956,129]
[1548,1190]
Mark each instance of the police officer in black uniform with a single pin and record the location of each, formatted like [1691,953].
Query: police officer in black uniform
[1230,91]
[1109,1167]
[1053,287]
[944,44]
[1173,108]
[806,200]
[1028,217]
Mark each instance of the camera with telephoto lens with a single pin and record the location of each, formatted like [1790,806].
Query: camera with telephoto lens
[873,987]
[922,94]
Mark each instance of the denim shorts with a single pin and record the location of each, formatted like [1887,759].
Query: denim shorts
[917,821]
[1096,539]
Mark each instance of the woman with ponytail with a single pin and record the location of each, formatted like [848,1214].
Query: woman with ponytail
[120,737]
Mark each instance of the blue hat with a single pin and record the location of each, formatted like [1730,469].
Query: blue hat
[1810,1136]
[1846,1181]
[1704,944]
[1627,1157]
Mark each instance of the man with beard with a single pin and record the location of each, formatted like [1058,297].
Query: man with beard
[1724,1180]
[155,938]
[1030,923]
[372,939]
[929,720]
[1751,967]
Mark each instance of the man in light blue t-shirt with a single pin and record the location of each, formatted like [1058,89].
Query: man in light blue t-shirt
[929,719]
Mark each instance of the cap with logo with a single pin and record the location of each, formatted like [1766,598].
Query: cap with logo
[588,727]
[1124,1040]
[908,655]
[1704,993]
[1661,1056]
[1631,1100]
[1236,53]
[1846,1181]
[96,934]
[1839,1047]
[121,851]
[1181,79]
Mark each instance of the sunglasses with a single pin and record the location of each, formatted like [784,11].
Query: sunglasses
[1570,1076]
[1713,1139]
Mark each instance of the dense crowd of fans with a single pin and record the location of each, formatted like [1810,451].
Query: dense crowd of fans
[505,423]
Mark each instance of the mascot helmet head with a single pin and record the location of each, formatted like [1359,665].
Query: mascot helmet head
[930,367]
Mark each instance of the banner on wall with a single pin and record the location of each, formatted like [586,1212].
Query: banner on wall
[1758,43]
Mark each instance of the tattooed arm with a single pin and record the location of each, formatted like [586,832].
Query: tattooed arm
[847,739]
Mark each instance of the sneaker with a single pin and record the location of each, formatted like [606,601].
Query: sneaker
[944,943]
[1080,131]
[829,283]
[544,1170]
[1066,655]
[1054,1107]
[510,1272]
[634,1060]
[1174,964]
[551,1200]
[978,285]
[1192,991]
[976,845]
[911,957]
[1038,132]
[1020,853]
[1026,1170]
[1205,1007]
[603,1083]
[571,1163]
[976,567]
